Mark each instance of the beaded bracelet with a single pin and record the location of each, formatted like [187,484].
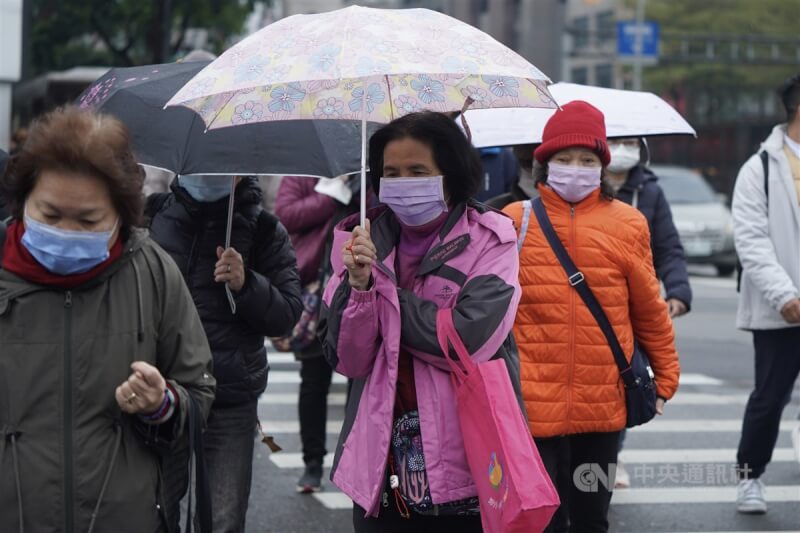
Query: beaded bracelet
[164,412]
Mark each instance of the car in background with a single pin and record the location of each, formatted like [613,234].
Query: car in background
[703,220]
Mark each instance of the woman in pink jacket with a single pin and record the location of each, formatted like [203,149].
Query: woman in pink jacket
[401,455]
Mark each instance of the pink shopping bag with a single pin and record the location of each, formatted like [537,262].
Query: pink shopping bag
[514,489]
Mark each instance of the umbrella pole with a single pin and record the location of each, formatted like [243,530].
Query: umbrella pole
[228,230]
[364,158]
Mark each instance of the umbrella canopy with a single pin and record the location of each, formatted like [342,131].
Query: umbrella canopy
[176,139]
[361,62]
[627,114]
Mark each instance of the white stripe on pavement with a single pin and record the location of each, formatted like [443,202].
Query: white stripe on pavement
[699,494]
[280,358]
[334,500]
[699,379]
[295,460]
[290,398]
[659,425]
[695,455]
[277,427]
[698,398]
[293,377]
[723,283]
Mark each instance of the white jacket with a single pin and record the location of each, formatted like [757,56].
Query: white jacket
[767,236]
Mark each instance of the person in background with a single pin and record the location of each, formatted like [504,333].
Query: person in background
[260,268]
[3,164]
[103,356]
[429,247]
[571,384]
[636,185]
[156,180]
[767,237]
[270,185]
[500,171]
[309,208]
[524,188]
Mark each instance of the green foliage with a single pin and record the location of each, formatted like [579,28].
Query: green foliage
[66,33]
[769,18]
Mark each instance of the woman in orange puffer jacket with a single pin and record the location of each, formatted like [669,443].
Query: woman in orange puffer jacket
[571,385]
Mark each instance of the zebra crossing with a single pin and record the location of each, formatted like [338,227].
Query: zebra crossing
[682,462]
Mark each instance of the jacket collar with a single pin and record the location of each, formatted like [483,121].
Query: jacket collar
[452,241]
[557,204]
[248,192]
[638,177]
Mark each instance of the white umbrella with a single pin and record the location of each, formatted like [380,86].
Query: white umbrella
[627,113]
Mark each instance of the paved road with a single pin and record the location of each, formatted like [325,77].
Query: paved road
[681,464]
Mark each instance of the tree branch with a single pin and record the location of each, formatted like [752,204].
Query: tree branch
[187,17]
[121,54]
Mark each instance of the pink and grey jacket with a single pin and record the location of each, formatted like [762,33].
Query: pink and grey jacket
[471,267]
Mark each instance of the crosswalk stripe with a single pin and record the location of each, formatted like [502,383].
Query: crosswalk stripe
[295,460]
[699,379]
[334,500]
[699,494]
[703,455]
[290,398]
[281,358]
[698,398]
[292,377]
[660,426]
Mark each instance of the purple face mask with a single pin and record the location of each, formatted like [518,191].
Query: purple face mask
[572,183]
[414,201]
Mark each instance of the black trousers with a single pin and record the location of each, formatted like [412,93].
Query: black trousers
[578,464]
[777,365]
[390,520]
[315,382]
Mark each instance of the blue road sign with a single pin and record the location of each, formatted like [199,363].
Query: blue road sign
[626,38]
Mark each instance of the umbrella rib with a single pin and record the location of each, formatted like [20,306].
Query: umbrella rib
[208,126]
[389,91]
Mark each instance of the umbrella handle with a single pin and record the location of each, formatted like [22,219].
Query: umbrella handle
[364,157]
[228,230]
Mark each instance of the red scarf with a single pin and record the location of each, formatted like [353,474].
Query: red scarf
[18,260]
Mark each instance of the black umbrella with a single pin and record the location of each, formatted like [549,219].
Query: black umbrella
[175,138]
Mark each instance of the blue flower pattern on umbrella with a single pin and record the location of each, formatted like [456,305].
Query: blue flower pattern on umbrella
[325,58]
[369,67]
[501,86]
[285,97]
[251,70]
[374,95]
[428,90]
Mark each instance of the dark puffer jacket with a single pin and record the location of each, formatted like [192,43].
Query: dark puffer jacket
[643,192]
[270,302]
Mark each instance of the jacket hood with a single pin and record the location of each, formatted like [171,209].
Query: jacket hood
[774,143]
[638,177]
[248,192]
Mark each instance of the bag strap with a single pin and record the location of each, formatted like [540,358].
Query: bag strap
[448,336]
[765,164]
[523,230]
[578,282]
[196,451]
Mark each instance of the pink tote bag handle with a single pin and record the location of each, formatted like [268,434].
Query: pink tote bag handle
[448,336]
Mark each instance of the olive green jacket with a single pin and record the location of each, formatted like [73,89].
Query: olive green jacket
[66,449]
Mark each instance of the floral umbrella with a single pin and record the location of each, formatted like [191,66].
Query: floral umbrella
[362,64]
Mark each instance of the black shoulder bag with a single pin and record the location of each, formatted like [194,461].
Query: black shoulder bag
[640,389]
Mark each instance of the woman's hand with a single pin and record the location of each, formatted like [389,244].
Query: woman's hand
[230,268]
[660,406]
[144,390]
[358,254]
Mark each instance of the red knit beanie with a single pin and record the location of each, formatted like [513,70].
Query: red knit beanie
[577,124]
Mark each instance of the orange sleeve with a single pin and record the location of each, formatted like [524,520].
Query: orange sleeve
[652,325]
[515,212]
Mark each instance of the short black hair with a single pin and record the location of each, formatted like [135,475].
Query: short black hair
[790,96]
[452,151]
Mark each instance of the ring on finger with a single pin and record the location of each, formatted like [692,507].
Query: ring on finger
[229,269]
[131,397]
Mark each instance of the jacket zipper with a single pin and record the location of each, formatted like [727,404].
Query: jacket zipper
[68,466]
[572,320]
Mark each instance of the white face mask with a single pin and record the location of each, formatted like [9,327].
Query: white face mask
[623,157]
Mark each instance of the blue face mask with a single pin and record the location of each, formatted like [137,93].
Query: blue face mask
[206,188]
[66,252]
